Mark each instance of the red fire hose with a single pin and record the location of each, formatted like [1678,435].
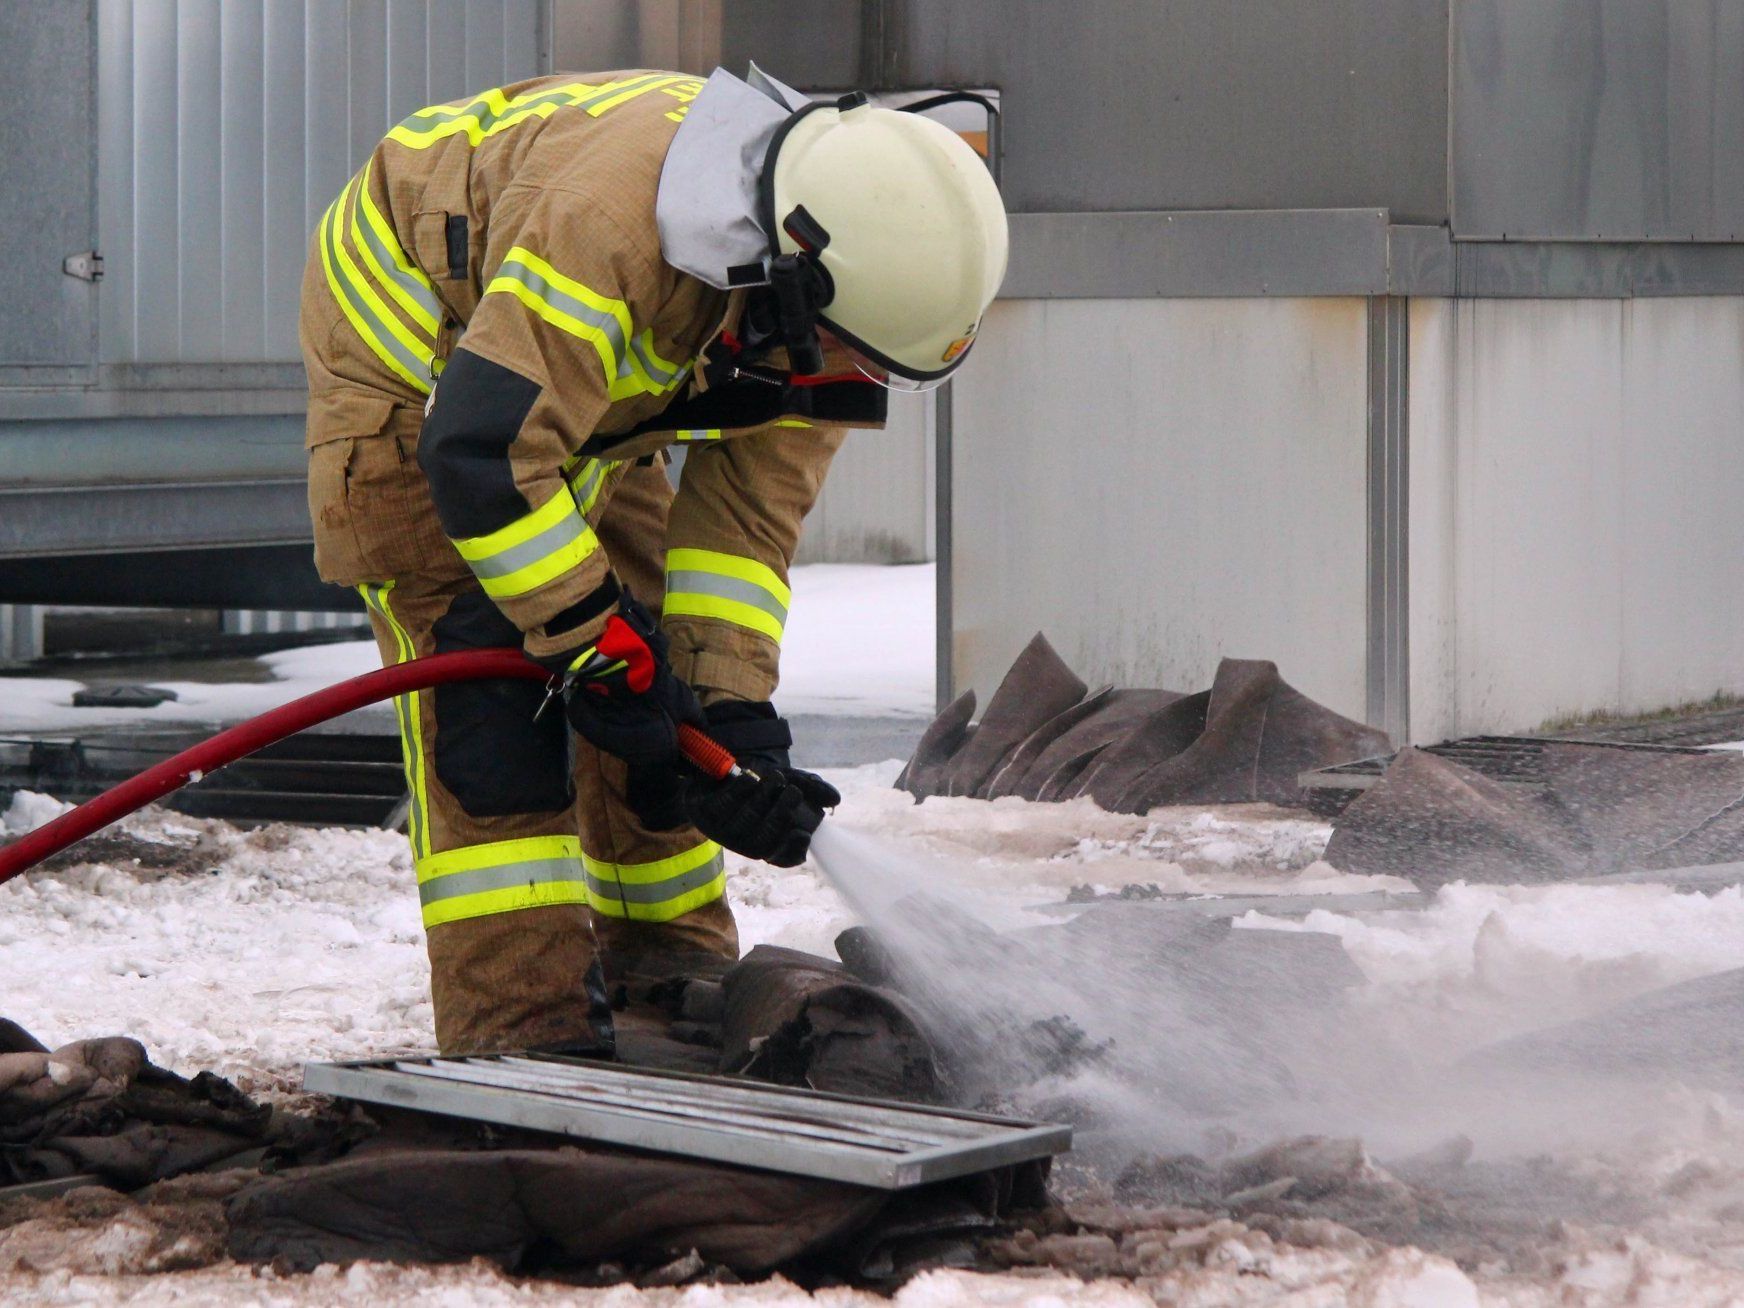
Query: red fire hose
[288,719]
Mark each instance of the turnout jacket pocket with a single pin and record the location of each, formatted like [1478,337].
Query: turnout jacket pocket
[368,500]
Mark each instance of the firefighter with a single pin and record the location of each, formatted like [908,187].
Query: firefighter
[509,314]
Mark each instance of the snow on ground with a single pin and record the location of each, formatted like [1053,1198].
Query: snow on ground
[39,704]
[280,945]
[859,641]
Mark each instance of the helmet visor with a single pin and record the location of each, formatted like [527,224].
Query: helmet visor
[875,367]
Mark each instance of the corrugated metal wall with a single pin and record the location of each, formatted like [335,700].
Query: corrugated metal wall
[226,126]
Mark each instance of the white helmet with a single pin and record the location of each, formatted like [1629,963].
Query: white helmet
[903,220]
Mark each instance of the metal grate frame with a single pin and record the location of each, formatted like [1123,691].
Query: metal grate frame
[869,1142]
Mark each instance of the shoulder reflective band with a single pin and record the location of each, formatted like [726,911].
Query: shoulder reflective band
[494,112]
[728,587]
[660,890]
[408,713]
[501,877]
[532,550]
[397,345]
[631,365]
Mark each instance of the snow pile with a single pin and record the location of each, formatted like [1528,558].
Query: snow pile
[28,811]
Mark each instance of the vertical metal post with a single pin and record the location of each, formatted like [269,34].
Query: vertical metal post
[944,672]
[20,633]
[1389,441]
[943,431]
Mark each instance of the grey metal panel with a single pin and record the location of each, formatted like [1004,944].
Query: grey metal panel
[125,519]
[227,126]
[1234,254]
[1598,119]
[1195,104]
[1584,270]
[1420,261]
[45,204]
[138,450]
[1231,253]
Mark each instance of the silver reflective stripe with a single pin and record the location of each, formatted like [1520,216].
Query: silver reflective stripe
[529,551]
[656,892]
[515,270]
[613,92]
[506,876]
[588,487]
[732,588]
[481,109]
[415,364]
[645,357]
[421,294]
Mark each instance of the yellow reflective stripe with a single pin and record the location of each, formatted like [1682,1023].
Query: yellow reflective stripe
[730,565]
[485,115]
[398,348]
[632,88]
[691,604]
[728,588]
[470,858]
[699,434]
[410,718]
[660,869]
[566,304]
[588,479]
[664,911]
[532,550]
[659,890]
[351,306]
[491,112]
[419,301]
[503,876]
[792,422]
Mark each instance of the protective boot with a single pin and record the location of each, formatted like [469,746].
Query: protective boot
[650,949]
[526,980]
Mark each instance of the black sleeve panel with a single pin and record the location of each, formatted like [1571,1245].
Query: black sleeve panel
[464,450]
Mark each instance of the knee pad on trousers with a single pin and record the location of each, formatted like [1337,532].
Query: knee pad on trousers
[491,753]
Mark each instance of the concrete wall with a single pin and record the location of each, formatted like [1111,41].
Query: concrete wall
[877,505]
[1172,481]
[1576,526]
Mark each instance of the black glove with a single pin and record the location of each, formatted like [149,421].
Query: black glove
[620,694]
[767,812]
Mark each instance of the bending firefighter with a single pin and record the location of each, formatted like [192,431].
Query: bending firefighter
[509,314]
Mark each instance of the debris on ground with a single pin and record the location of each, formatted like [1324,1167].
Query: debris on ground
[1246,739]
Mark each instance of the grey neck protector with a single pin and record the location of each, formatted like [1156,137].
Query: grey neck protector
[706,207]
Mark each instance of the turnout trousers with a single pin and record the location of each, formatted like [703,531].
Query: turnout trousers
[535,878]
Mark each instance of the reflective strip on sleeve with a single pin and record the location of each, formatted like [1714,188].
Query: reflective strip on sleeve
[389,339]
[630,362]
[707,584]
[532,550]
[699,434]
[660,890]
[501,877]
[587,477]
[493,112]
[407,713]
